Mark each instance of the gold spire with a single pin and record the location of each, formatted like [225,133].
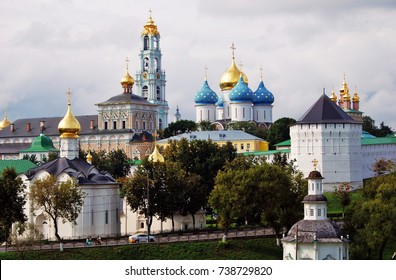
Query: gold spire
[150,28]
[355,96]
[344,89]
[231,76]
[69,126]
[4,123]
[127,80]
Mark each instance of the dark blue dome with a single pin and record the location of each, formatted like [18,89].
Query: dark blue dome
[241,92]
[262,95]
[205,95]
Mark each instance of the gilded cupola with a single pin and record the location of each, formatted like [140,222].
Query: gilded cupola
[127,80]
[156,156]
[4,123]
[333,96]
[355,97]
[150,28]
[231,76]
[69,126]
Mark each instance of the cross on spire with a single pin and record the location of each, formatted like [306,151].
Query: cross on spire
[127,62]
[261,72]
[68,93]
[241,65]
[150,12]
[233,49]
[315,163]
[206,72]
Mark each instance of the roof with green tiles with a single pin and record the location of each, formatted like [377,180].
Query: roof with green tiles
[20,165]
[41,143]
[266,153]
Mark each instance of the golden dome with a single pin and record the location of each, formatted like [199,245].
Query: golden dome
[4,123]
[156,156]
[333,96]
[355,97]
[231,76]
[150,28]
[69,126]
[89,157]
[127,79]
[344,89]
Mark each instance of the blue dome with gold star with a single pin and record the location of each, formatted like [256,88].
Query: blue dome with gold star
[205,95]
[220,101]
[241,92]
[262,95]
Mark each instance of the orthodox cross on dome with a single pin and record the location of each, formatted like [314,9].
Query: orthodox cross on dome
[206,72]
[261,72]
[69,93]
[155,136]
[315,163]
[150,11]
[233,49]
[241,65]
[127,62]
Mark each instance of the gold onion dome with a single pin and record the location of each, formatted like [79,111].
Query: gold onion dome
[156,156]
[127,79]
[4,123]
[231,76]
[355,97]
[333,96]
[69,126]
[150,28]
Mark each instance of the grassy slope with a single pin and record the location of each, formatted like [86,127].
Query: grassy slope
[237,249]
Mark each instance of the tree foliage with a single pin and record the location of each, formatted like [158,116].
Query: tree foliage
[162,189]
[249,127]
[201,157]
[343,194]
[116,162]
[178,127]
[263,193]
[279,131]
[59,200]
[12,200]
[370,127]
[371,221]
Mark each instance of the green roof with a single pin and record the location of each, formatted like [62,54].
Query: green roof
[41,143]
[284,143]
[20,165]
[265,153]
[379,141]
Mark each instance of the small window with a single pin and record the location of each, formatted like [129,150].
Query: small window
[141,225]
[107,217]
[117,220]
[311,212]
[319,212]
[114,124]
[123,124]
[92,217]
[105,125]
[242,146]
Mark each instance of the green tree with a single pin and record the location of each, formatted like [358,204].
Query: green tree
[205,126]
[33,158]
[249,127]
[59,200]
[383,166]
[12,200]
[117,163]
[343,194]
[259,193]
[371,221]
[279,131]
[178,127]
[201,157]
[370,127]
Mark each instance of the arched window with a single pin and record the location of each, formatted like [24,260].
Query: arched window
[146,63]
[158,93]
[160,124]
[146,43]
[145,92]
[155,42]
[156,64]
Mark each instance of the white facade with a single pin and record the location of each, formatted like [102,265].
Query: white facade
[205,112]
[241,111]
[336,146]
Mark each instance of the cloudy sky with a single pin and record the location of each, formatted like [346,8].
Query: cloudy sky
[48,46]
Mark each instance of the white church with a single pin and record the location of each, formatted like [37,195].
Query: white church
[315,237]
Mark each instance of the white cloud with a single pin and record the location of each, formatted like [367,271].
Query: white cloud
[303,46]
